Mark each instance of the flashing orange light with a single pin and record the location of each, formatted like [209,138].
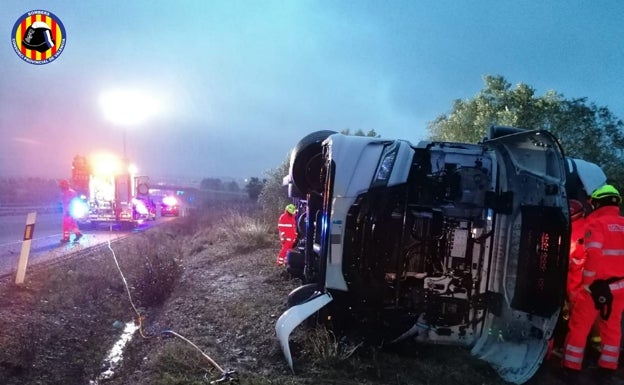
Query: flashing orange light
[106,164]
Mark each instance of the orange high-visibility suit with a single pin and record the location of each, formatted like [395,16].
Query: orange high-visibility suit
[69,224]
[604,246]
[577,258]
[287,228]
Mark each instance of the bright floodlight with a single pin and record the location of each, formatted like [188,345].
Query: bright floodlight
[128,107]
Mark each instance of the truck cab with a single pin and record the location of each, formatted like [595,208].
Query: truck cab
[438,242]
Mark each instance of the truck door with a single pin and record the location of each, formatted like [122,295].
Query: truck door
[123,195]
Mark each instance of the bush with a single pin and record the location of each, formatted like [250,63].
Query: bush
[243,232]
[274,197]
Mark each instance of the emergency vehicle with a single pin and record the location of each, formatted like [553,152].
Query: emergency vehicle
[110,191]
[439,242]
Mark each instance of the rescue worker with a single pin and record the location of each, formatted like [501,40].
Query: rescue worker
[576,262]
[577,251]
[603,284]
[287,228]
[69,224]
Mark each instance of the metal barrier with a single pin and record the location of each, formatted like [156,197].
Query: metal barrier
[21,210]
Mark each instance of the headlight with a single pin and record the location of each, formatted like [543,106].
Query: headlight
[170,201]
[385,166]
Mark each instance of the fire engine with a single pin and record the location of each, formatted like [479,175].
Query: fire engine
[110,192]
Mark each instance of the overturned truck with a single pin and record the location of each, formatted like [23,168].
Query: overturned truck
[439,242]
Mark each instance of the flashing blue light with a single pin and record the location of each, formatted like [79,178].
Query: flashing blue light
[78,208]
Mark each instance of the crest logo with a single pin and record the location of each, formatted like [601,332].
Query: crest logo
[38,37]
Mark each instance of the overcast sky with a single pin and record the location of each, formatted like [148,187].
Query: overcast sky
[238,83]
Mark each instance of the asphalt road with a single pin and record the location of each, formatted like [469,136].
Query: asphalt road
[46,245]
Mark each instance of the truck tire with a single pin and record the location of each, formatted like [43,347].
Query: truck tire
[306,162]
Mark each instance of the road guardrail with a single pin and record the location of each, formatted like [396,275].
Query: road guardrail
[19,209]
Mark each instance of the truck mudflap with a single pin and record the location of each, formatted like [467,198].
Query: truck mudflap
[515,361]
[293,317]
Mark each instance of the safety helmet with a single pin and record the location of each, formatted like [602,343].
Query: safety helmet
[291,208]
[64,184]
[576,209]
[606,195]
[38,37]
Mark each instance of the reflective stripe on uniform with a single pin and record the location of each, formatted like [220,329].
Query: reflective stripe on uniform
[615,252]
[590,245]
[571,358]
[575,349]
[285,225]
[610,348]
[604,357]
[587,273]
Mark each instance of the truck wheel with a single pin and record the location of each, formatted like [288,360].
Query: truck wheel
[306,161]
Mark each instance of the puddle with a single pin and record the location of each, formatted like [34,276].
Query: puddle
[115,355]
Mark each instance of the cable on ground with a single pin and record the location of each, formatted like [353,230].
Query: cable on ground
[226,375]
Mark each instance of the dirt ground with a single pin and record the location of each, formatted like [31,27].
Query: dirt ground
[221,306]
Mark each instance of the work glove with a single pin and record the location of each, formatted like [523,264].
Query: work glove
[601,294]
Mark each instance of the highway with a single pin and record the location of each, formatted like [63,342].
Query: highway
[46,245]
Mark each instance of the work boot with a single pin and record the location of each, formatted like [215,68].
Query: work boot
[78,236]
[604,376]
[65,240]
[570,376]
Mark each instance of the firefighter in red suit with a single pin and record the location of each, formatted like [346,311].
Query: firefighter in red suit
[287,228]
[69,224]
[577,251]
[602,296]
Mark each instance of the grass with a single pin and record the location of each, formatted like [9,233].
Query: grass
[211,278]
[243,232]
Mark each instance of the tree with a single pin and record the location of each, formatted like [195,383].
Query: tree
[232,186]
[211,184]
[584,130]
[370,133]
[254,187]
[274,196]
